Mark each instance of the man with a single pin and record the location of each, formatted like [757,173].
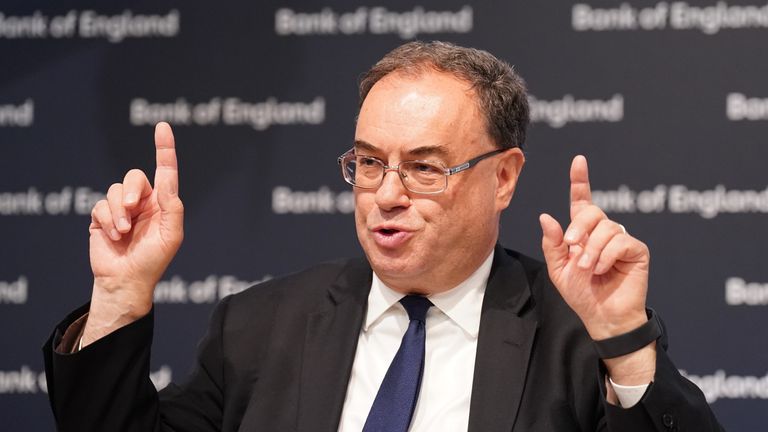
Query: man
[509,342]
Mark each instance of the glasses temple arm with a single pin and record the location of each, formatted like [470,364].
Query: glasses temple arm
[472,162]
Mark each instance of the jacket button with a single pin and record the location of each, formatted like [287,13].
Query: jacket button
[667,420]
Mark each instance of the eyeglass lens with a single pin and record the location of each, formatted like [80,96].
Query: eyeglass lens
[417,176]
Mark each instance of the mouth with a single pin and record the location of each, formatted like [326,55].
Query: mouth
[389,229]
[390,237]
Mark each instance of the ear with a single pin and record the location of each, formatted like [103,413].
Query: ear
[507,171]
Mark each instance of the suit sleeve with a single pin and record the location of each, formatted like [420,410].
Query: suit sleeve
[106,385]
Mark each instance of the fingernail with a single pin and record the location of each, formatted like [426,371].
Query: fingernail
[114,234]
[584,261]
[123,224]
[131,198]
[570,236]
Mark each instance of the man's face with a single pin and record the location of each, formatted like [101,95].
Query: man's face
[429,243]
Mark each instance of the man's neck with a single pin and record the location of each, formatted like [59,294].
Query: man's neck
[435,285]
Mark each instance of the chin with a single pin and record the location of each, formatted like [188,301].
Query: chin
[393,263]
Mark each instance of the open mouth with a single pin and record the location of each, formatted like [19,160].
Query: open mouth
[391,238]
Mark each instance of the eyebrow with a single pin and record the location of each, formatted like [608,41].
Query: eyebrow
[421,151]
[363,145]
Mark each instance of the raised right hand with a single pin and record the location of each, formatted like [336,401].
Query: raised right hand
[135,234]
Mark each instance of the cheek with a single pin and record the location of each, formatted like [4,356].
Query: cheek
[364,205]
[434,216]
[363,202]
[469,212]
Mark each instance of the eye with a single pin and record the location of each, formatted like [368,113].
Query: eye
[423,173]
[426,169]
[422,168]
[367,161]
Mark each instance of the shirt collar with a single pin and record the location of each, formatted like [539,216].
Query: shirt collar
[462,303]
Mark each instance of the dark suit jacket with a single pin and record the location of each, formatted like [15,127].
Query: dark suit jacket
[278,358]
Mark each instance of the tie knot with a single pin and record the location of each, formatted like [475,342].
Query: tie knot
[416,306]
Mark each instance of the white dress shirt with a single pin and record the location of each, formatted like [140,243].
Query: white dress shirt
[452,327]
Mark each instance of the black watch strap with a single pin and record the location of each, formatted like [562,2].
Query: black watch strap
[632,341]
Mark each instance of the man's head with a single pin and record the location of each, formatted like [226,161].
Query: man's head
[446,104]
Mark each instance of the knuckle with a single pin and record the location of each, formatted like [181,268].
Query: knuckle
[596,246]
[99,206]
[591,213]
[606,224]
[598,212]
[629,244]
[593,252]
[135,174]
[101,212]
[644,248]
[114,188]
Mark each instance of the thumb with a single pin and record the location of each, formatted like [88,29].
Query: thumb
[555,249]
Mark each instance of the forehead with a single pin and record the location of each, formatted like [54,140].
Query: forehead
[403,113]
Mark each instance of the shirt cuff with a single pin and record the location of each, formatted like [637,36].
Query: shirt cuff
[72,341]
[628,396]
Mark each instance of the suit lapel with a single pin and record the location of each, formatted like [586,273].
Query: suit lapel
[329,349]
[503,348]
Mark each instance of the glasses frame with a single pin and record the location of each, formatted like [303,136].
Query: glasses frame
[448,171]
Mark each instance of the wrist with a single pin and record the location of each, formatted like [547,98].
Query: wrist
[629,342]
[124,297]
[607,328]
[114,305]
[636,368]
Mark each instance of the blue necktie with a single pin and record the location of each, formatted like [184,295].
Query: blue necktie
[394,404]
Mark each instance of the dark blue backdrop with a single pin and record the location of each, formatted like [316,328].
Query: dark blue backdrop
[668,100]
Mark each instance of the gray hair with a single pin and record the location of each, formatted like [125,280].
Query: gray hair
[501,93]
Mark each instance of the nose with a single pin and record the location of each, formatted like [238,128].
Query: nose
[392,193]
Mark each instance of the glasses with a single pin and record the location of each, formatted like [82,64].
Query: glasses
[418,176]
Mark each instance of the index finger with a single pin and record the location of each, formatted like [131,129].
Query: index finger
[581,192]
[167,170]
